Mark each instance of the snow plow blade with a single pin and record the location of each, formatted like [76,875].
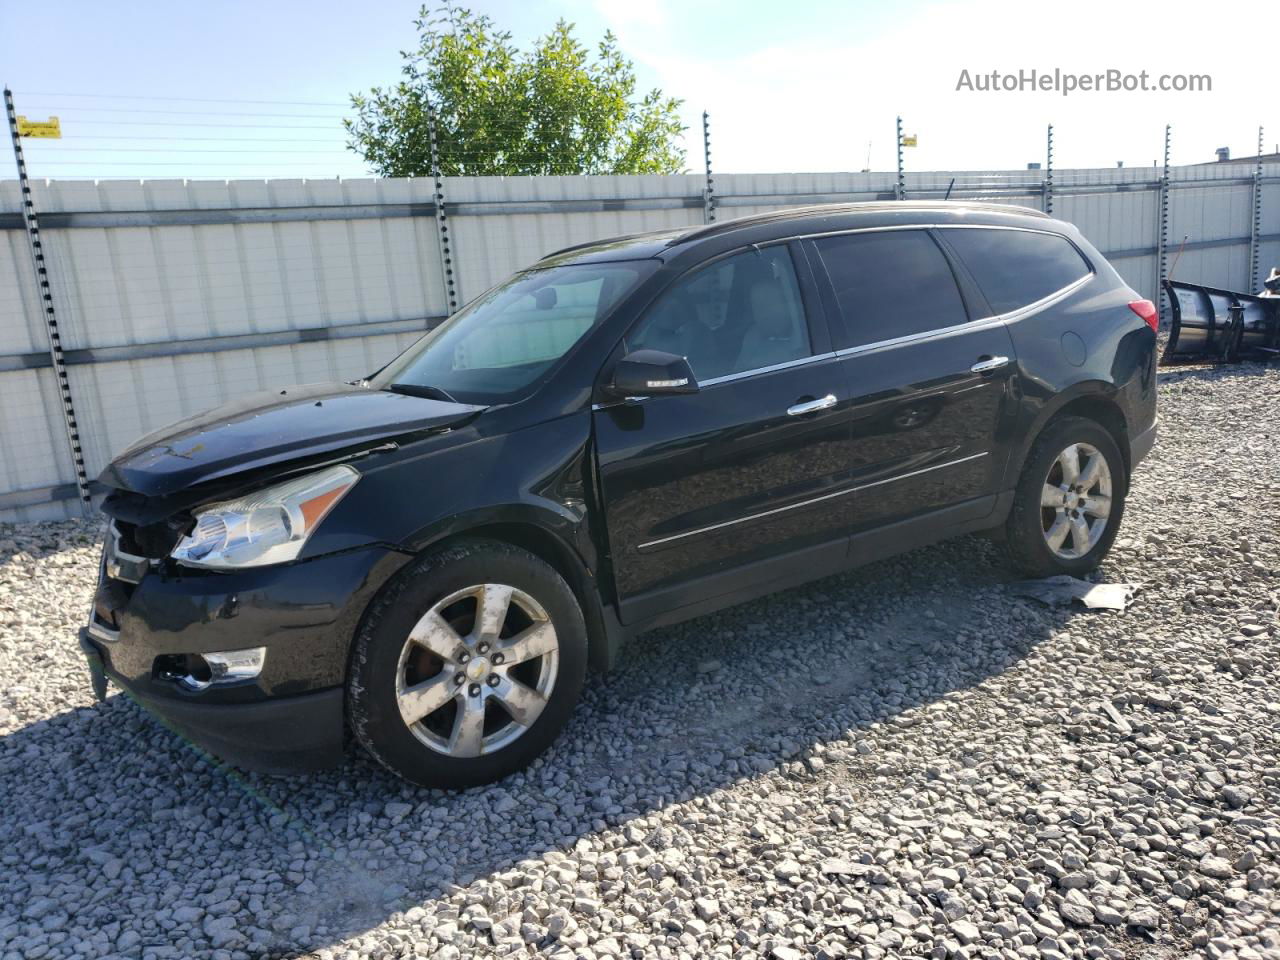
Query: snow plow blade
[1210,324]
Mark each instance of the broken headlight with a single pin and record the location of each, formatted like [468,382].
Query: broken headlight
[269,526]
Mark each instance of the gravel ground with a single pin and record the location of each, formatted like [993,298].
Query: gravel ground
[907,760]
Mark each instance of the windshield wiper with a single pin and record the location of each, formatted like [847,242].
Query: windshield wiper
[419,390]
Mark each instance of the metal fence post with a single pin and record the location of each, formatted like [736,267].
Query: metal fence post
[45,292]
[1162,242]
[1048,172]
[709,193]
[442,218]
[1255,235]
[900,190]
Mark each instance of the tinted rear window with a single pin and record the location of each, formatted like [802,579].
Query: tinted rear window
[1017,267]
[890,285]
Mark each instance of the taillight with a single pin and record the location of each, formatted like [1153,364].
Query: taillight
[1147,311]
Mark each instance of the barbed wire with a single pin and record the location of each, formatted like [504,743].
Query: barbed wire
[112,135]
[62,108]
[108,136]
[89,136]
[117,96]
[201,123]
[164,137]
[200,150]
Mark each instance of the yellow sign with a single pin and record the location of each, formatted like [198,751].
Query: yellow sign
[51,129]
[907,141]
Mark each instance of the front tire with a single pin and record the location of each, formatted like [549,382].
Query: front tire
[467,665]
[1069,500]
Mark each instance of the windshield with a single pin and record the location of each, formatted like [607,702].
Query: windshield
[497,347]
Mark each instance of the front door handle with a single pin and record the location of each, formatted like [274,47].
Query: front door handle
[812,406]
[991,363]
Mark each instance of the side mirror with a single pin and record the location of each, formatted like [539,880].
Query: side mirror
[651,373]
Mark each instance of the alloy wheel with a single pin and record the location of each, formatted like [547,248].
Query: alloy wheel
[1075,501]
[477,669]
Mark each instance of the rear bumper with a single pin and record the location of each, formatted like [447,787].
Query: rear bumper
[282,735]
[1141,445]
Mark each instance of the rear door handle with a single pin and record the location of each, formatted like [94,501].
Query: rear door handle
[812,406]
[992,363]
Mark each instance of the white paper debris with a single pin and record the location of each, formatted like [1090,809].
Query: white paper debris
[1064,589]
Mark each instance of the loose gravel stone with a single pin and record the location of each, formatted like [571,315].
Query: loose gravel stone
[1218,867]
[965,931]
[1073,911]
[907,760]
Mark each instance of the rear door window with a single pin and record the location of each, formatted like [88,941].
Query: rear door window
[1014,268]
[890,284]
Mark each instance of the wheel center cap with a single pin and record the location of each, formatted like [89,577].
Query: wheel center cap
[478,668]
[1072,501]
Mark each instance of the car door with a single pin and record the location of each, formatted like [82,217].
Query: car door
[931,377]
[703,492]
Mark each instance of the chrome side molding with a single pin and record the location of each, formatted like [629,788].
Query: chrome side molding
[807,503]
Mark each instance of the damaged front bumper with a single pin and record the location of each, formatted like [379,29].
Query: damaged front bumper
[150,618]
[284,735]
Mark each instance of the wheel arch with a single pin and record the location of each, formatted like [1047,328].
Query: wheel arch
[602,647]
[551,537]
[1095,400]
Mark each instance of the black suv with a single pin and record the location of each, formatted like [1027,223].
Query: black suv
[629,433]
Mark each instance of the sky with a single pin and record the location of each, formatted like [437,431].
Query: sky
[231,88]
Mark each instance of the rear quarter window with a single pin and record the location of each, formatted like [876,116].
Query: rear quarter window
[1014,268]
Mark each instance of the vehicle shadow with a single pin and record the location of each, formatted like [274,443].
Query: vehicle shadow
[313,860]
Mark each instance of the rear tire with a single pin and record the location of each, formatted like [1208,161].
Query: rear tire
[1067,506]
[467,666]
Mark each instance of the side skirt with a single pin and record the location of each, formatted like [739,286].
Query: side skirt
[717,591]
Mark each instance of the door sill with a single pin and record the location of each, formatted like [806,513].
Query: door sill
[707,594]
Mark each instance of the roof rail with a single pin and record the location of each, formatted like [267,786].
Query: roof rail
[604,240]
[866,206]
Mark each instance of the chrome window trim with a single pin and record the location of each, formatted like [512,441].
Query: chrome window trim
[729,378]
[785,365]
[809,502]
[969,325]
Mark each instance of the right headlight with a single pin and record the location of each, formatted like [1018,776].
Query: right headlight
[269,526]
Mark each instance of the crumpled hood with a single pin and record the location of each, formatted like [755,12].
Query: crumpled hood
[273,427]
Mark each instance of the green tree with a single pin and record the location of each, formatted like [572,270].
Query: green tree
[502,112]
